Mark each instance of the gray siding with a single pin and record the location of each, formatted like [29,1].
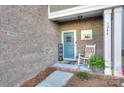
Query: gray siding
[54,8]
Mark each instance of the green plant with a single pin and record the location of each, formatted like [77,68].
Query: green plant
[82,75]
[96,62]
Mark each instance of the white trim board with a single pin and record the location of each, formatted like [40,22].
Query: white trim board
[117,41]
[107,40]
[78,10]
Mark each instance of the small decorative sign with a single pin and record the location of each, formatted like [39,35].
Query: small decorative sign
[60,52]
[86,34]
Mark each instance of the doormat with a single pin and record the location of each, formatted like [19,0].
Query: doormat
[68,62]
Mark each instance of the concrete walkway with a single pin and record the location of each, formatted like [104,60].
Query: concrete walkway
[56,79]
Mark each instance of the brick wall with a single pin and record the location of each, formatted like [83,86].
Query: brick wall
[28,42]
[94,23]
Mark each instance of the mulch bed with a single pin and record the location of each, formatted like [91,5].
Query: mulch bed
[95,81]
[34,80]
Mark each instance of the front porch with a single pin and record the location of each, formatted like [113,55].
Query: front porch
[106,28]
[74,67]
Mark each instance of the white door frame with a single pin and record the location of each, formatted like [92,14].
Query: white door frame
[75,46]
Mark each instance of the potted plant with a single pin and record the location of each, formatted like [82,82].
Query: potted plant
[96,63]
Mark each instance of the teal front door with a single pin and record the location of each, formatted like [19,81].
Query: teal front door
[68,45]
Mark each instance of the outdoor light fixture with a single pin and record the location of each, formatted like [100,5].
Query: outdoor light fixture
[80,17]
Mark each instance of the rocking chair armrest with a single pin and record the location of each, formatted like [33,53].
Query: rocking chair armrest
[84,58]
[81,54]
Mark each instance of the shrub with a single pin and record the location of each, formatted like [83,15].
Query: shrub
[96,62]
[82,75]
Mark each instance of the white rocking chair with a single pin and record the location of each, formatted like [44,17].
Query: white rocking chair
[89,51]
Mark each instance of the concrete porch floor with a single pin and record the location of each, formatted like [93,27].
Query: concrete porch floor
[82,67]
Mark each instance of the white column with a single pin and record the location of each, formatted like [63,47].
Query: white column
[117,41]
[107,41]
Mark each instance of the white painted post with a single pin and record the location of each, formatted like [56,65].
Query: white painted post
[107,41]
[117,41]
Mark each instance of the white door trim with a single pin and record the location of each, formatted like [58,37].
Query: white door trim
[75,46]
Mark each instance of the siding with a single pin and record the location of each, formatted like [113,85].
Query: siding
[54,8]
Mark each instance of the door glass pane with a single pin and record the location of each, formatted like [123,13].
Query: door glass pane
[68,37]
